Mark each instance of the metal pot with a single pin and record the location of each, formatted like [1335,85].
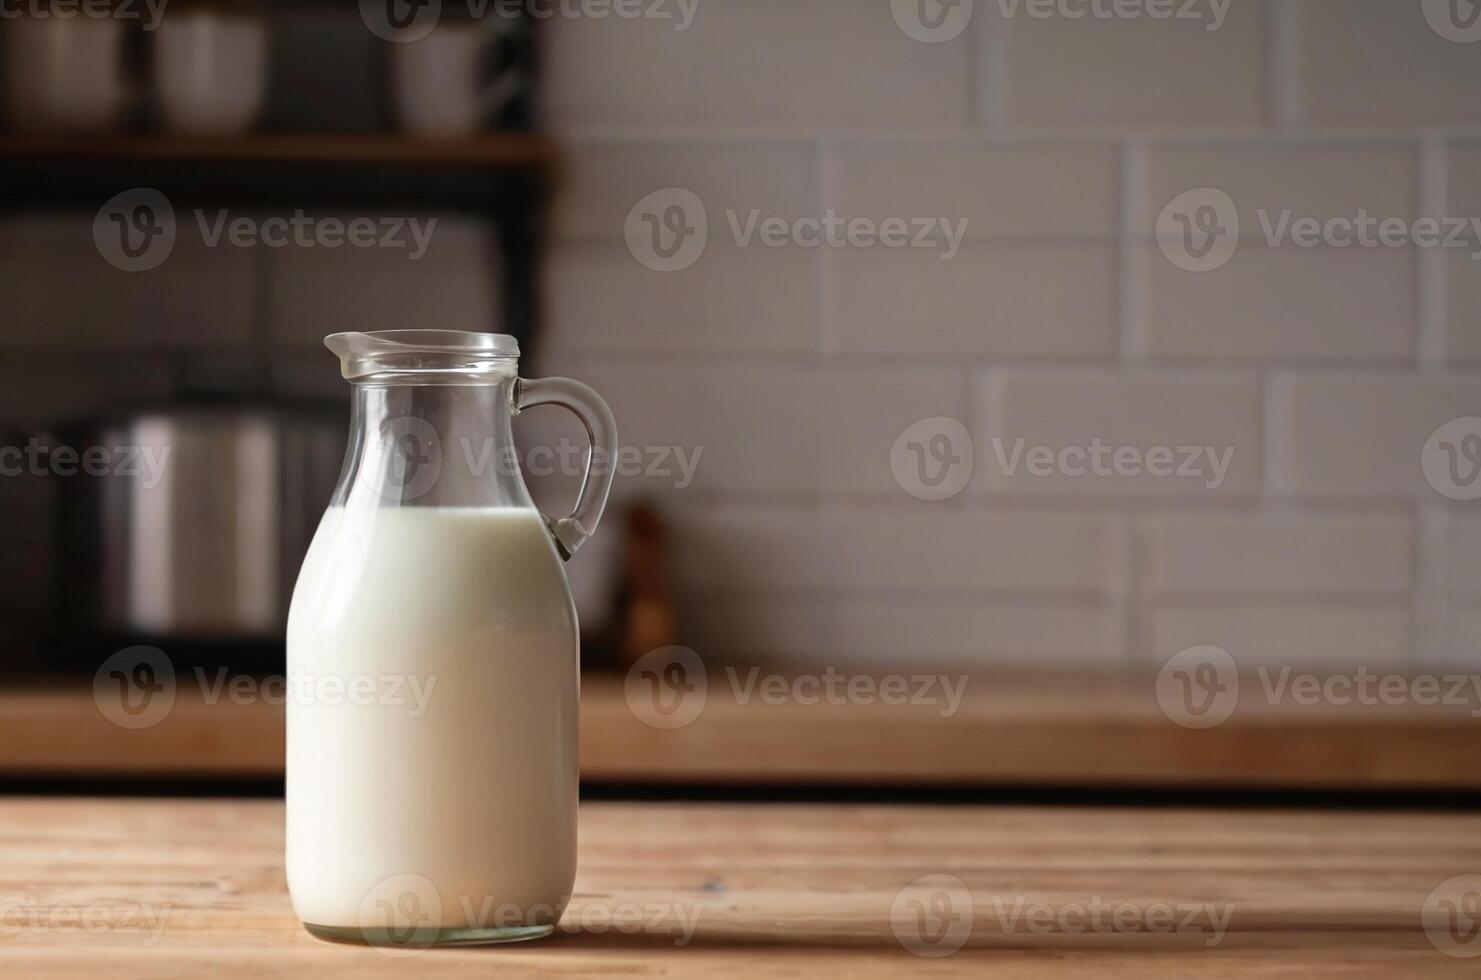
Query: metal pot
[193,517]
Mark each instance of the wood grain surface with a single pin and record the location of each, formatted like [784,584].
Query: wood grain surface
[1010,728]
[191,888]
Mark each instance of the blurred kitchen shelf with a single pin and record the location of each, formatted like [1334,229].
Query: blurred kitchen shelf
[523,149]
[1011,729]
[503,174]
[504,177]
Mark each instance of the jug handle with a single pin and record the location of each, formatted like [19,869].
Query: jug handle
[601,430]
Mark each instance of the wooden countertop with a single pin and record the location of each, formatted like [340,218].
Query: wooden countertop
[185,888]
[1019,728]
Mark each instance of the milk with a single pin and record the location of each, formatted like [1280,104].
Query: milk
[477,793]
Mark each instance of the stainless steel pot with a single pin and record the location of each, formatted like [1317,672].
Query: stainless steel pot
[196,524]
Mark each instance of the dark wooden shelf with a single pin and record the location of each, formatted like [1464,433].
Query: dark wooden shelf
[516,149]
[505,175]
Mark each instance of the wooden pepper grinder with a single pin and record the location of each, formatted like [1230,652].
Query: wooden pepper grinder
[646,614]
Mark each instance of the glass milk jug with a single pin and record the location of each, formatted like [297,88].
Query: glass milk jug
[432,656]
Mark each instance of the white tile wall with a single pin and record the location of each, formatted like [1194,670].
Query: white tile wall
[733,299]
[1020,552]
[601,179]
[1003,190]
[1101,71]
[1360,435]
[1337,635]
[1275,304]
[1376,63]
[821,630]
[865,408]
[1216,414]
[1026,299]
[756,425]
[1317,179]
[1201,555]
[757,63]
